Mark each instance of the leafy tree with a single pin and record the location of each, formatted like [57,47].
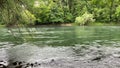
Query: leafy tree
[57,11]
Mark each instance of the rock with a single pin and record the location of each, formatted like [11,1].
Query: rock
[31,64]
[52,60]
[98,58]
[14,63]
[3,64]
[20,66]
[116,55]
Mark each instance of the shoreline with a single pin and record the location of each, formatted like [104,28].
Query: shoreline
[62,24]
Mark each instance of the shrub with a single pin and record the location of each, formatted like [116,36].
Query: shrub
[68,18]
[84,19]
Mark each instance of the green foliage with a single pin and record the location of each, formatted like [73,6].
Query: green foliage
[48,12]
[13,12]
[30,12]
[117,13]
[84,19]
[27,18]
[68,18]
[56,14]
[42,13]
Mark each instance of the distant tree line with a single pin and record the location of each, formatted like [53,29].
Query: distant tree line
[36,12]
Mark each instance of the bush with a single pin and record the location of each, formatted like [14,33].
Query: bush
[84,19]
[68,18]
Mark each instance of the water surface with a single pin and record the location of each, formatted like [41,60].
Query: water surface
[61,47]
[62,36]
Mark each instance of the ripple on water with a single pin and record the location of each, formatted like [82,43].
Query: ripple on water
[84,56]
[31,53]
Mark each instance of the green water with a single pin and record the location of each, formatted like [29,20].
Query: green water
[62,36]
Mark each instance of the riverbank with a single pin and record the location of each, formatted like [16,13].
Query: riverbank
[65,24]
[89,24]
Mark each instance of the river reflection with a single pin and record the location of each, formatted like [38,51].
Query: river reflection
[61,36]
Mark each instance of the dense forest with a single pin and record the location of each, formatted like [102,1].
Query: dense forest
[79,12]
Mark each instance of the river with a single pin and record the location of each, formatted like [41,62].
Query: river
[60,47]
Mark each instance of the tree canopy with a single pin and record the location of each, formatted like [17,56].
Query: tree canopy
[35,12]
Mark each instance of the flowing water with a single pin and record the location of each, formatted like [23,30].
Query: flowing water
[60,47]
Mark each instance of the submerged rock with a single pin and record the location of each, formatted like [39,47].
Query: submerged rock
[98,58]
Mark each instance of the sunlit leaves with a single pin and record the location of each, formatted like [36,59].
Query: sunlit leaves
[84,19]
